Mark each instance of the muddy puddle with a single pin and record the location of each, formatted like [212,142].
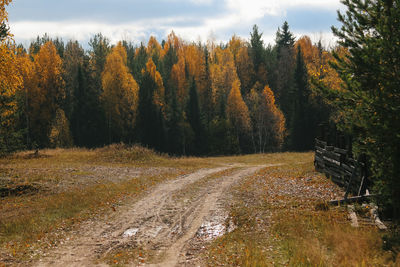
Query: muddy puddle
[214,228]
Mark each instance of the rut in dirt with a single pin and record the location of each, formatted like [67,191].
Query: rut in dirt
[163,221]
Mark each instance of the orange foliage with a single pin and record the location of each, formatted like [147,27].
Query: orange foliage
[10,78]
[178,78]
[317,63]
[244,67]
[10,81]
[174,42]
[235,44]
[159,94]
[48,67]
[3,12]
[195,64]
[121,92]
[279,122]
[223,73]
[154,48]
[268,121]
[237,110]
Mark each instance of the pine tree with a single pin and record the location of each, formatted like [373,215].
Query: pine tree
[72,62]
[139,62]
[257,52]
[284,71]
[175,124]
[100,48]
[194,119]
[301,128]
[368,102]
[151,108]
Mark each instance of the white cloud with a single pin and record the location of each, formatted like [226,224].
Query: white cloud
[83,30]
[238,14]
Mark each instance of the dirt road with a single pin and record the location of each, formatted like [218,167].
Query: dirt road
[163,222]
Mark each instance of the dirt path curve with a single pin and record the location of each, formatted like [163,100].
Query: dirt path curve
[163,221]
[176,251]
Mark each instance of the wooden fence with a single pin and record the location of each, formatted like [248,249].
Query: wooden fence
[341,168]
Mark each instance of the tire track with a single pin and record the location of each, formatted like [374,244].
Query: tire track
[97,238]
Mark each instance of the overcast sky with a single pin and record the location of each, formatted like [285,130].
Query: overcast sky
[193,20]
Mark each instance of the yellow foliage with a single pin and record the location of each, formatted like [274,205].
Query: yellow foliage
[235,44]
[268,120]
[10,78]
[178,78]
[47,91]
[60,135]
[3,12]
[237,110]
[154,48]
[279,121]
[159,94]
[196,67]
[173,41]
[317,63]
[245,68]
[121,91]
[10,81]
[223,73]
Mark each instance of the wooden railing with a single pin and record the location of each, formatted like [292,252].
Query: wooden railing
[341,168]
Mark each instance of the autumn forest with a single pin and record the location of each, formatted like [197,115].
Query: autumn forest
[169,151]
[206,98]
[177,97]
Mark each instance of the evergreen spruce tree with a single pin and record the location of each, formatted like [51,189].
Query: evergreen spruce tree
[284,72]
[284,39]
[257,53]
[150,125]
[175,126]
[88,117]
[194,119]
[368,104]
[301,127]
[139,62]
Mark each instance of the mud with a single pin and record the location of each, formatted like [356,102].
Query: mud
[173,221]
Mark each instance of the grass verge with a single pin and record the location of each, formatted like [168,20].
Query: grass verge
[278,225]
[32,222]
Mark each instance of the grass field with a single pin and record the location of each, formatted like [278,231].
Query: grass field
[279,223]
[45,197]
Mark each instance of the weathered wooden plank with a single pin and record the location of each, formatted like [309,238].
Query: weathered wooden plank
[351,200]
[340,151]
[351,161]
[332,160]
[320,143]
[333,155]
[348,168]
[334,170]
[319,153]
[329,148]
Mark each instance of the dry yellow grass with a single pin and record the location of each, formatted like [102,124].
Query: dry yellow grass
[65,193]
[278,225]
[274,210]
